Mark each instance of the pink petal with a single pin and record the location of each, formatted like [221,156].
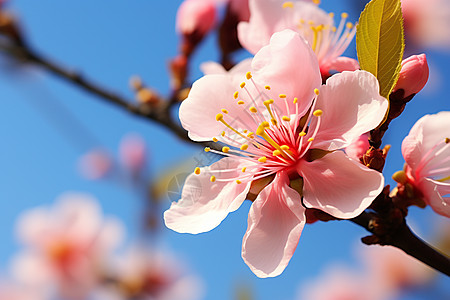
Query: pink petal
[437,195]
[341,64]
[289,66]
[208,96]
[275,223]
[211,67]
[204,204]
[351,106]
[338,185]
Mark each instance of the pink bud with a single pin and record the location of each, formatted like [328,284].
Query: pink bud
[196,16]
[414,74]
[132,152]
[95,164]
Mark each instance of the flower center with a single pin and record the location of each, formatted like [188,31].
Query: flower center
[275,138]
[436,162]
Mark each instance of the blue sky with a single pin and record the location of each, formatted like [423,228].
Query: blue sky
[109,43]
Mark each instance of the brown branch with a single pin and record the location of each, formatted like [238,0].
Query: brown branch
[403,238]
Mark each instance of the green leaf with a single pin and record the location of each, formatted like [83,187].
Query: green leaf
[380,42]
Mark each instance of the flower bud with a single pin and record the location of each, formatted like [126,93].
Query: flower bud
[133,153]
[414,75]
[197,16]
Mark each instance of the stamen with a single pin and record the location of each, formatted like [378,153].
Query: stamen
[444,179]
[244,147]
[262,159]
[207,149]
[295,100]
[213,178]
[276,152]
[244,169]
[215,140]
[225,149]
[236,95]
[253,109]
[267,105]
[197,171]
[302,134]
[219,118]
[224,111]
[248,75]
[238,181]
[286,118]
[267,87]
[240,102]
[288,4]
[261,132]
[242,85]
[282,96]
[317,113]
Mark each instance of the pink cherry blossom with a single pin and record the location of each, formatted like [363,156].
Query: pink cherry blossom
[282,128]
[66,246]
[341,283]
[427,154]
[394,270]
[133,152]
[154,274]
[427,22]
[413,75]
[314,24]
[196,16]
[95,164]
[14,291]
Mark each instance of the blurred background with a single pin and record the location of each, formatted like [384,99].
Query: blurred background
[56,138]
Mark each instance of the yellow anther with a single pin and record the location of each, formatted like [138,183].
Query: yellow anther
[316,2]
[223,133]
[268,102]
[284,147]
[447,140]
[207,149]
[244,169]
[320,27]
[224,111]
[344,15]
[301,21]
[274,122]
[317,113]
[302,133]
[253,109]
[282,96]
[219,117]
[316,91]
[244,147]
[265,124]
[213,178]
[310,139]
[248,75]
[333,29]
[349,25]
[242,85]
[250,134]
[295,100]
[276,152]
[331,14]
[286,118]
[236,95]
[225,149]
[262,159]
[215,140]
[267,87]
[288,4]
[240,102]
[245,131]
[197,171]
[311,23]
[238,181]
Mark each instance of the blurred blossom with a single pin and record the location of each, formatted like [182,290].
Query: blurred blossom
[272,158]
[66,246]
[150,274]
[427,22]
[196,17]
[413,75]
[314,24]
[132,151]
[340,283]
[358,147]
[427,154]
[12,291]
[394,270]
[95,164]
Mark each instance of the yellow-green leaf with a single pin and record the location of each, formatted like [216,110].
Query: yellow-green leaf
[380,42]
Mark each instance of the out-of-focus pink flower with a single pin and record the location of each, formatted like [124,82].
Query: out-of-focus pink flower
[95,164]
[427,154]
[394,270]
[13,291]
[282,128]
[358,147]
[196,16]
[427,22]
[340,283]
[66,246]
[149,274]
[133,152]
[414,75]
[314,24]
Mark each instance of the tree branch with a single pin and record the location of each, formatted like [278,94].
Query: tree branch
[403,238]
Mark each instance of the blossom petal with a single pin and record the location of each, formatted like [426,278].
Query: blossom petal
[351,105]
[208,96]
[341,64]
[275,223]
[338,185]
[289,66]
[437,195]
[204,204]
